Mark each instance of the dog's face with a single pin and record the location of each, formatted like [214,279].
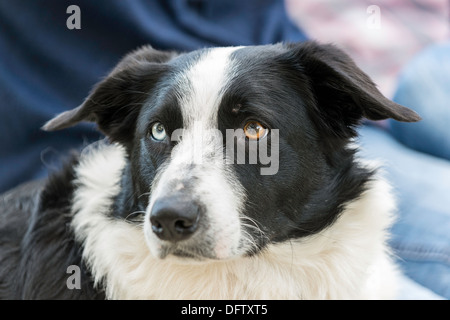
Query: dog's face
[231,149]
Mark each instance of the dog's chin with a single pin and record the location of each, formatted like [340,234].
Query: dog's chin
[187,252]
[181,254]
[184,254]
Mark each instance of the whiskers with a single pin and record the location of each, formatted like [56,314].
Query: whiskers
[249,224]
[136,216]
[144,194]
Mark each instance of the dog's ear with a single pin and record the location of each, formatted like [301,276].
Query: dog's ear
[343,92]
[115,102]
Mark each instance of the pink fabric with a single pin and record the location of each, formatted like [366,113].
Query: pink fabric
[405,28]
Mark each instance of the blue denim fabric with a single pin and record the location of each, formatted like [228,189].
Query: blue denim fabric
[421,236]
[411,290]
[424,86]
[423,233]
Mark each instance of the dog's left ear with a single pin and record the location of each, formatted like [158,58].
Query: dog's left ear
[115,102]
[343,92]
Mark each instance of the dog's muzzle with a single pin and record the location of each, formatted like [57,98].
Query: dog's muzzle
[193,212]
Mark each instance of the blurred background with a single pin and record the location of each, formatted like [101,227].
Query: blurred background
[405,28]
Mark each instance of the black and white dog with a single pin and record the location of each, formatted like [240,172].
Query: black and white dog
[168,208]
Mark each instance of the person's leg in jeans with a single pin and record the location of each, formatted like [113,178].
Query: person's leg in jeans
[424,86]
[419,169]
[421,235]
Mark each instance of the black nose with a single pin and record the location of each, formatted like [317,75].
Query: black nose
[174,218]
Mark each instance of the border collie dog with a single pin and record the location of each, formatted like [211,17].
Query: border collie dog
[226,173]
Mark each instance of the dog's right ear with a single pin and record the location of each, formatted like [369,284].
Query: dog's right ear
[115,102]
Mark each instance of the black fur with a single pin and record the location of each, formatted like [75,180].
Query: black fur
[37,244]
[314,94]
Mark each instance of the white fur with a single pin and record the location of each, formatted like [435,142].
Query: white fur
[348,260]
[202,86]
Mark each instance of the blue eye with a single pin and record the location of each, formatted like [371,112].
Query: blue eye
[158,131]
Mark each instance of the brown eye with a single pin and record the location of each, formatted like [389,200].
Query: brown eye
[255,130]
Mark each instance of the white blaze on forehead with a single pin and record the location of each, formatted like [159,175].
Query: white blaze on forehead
[197,160]
[201,88]
[206,81]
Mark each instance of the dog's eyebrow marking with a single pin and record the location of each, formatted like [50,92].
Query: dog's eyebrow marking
[235,110]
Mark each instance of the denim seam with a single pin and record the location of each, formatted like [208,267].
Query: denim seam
[419,253]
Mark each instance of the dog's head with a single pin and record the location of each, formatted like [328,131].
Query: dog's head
[236,147]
